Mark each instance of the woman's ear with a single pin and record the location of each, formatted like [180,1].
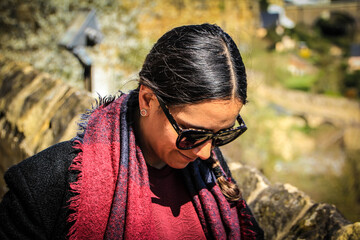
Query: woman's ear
[146,97]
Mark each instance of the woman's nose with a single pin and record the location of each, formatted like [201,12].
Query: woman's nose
[204,150]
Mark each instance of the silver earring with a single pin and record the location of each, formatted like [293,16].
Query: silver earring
[143,112]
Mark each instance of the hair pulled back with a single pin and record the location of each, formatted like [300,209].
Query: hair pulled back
[195,63]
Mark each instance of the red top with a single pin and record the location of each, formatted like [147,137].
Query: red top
[174,214]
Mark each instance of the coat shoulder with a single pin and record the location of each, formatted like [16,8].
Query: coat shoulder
[38,193]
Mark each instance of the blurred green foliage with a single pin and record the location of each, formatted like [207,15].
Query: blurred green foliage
[332,77]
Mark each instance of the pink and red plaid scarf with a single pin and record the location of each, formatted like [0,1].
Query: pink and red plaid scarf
[113,198]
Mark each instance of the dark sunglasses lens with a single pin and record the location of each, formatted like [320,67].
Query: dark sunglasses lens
[190,139]
[228,137]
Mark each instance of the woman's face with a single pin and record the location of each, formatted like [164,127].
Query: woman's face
[158,137]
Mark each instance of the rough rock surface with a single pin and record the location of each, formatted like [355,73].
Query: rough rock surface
[36,111]
[284,212]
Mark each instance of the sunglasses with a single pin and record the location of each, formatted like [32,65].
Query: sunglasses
[192,138]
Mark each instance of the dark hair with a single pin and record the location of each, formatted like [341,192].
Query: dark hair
[195,63]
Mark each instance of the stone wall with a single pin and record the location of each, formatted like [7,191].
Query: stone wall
[284,212]
[37,111]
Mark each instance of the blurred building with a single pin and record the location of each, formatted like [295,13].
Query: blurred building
[306,2]
[354,59]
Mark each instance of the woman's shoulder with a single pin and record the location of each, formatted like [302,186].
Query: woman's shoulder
[51,161]
[39,184]
[46,174]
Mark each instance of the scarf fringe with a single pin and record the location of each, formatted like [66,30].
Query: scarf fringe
[76,201]
[76,165]
[99,102]
[76,188]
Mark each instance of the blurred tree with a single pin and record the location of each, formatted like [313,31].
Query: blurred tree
[263,5]
[338,24]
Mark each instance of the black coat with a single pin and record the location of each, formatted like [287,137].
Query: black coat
[35,205]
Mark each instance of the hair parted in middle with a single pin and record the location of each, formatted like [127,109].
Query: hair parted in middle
[192,64]
[195,63]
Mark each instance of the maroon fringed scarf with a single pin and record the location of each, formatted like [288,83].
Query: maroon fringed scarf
[113,199]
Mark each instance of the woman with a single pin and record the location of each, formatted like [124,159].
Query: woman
[146,165]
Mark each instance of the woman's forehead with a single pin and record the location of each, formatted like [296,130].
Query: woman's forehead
[213,114]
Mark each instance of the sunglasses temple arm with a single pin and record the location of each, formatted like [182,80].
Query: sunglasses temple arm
[168,115]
